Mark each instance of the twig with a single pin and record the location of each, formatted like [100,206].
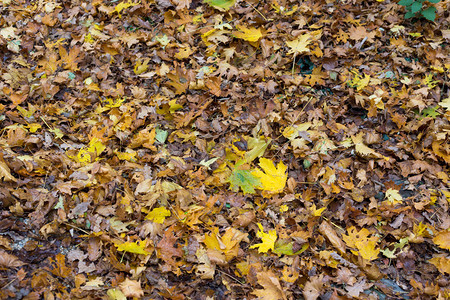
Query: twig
[258,11]
[232,277]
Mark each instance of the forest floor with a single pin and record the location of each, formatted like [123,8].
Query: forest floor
[175,149]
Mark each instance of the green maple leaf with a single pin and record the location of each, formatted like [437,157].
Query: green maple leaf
[245,180]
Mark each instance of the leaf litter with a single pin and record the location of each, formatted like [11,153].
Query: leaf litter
[223,150]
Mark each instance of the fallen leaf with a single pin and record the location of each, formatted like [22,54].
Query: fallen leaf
[9,261]
[245,180]
[131,288]
[442,239]
[441,263]
[360,240]
[137,247]
[273,179]
[272,287]
[300,44]
[268,240]
[158,215]
[5,173]
[363,150]
[250,34]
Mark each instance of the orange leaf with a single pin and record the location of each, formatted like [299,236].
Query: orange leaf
[442,239]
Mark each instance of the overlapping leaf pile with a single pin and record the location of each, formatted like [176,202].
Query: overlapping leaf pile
[177,149]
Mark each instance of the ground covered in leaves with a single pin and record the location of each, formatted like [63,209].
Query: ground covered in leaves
[171,149]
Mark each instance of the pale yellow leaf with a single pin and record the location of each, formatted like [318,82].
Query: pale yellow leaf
[300,44]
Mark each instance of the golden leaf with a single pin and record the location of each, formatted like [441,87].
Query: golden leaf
[268,240]
[442,239]
[248,34]
[360,240]
[273,179]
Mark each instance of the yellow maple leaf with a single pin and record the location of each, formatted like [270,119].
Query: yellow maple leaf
[393,197]
[300,44]
[441,263]
[273,180]
[228,244]
[251,34]
[137,247]
[442,239]
[317,212]
[158,215]
[121,6]
[360,240]
[89,153]
[358,81]
[268,240]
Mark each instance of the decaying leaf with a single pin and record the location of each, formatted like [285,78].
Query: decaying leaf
[272,287]
[9,261]
[5,172]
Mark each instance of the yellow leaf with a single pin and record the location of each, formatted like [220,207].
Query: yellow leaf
[441,263]
[141,66]
[273,180]
[33,127]
[268,240]
[129,155]
[363,150]
[248,34]
[116,294]
[284,208]
[300,44]
[358,81]
[317,212]
[123,5]
[393,197]
[137,247]
[228,244]
[183,52]
[442,239]
[360,240]
[158,215]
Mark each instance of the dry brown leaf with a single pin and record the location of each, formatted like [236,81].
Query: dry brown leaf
[328,231]
[272,287]
[131,288]
[9,261]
